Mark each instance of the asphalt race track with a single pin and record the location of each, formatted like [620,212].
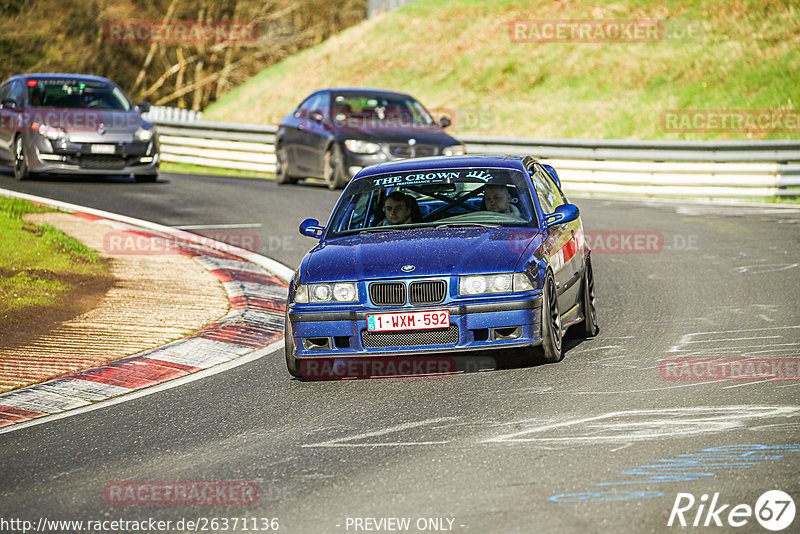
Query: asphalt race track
[603,441]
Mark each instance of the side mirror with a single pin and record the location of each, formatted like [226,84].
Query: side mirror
[9,103]
[444,122]
[564,213]
[311,228]
[143,107]
[316,116]
[553,173]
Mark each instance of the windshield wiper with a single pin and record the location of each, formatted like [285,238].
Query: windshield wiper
[378,229]
[466,224]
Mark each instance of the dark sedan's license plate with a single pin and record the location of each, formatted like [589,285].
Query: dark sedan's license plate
[421,320]
[102,149]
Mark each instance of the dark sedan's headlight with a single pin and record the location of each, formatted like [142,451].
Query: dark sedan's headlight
[357,146]
[326,293]
[482,284]
[143,134]
[454,150]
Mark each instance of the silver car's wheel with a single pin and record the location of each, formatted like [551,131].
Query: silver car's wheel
[21,169]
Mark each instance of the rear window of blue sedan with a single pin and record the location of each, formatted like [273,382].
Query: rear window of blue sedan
[441,198]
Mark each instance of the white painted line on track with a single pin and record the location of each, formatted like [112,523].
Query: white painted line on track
[255,355]
[216,226]
[339,442]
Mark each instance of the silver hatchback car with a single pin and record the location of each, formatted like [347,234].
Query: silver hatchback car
[74,124]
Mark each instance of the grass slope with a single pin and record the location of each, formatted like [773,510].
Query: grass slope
[42,271]
[458,56]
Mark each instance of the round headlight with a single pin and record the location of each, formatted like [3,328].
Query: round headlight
[501,283]
[475,285]
[321,292]
[344,292]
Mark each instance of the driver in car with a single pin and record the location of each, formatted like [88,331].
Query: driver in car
[498,200]
[397,209]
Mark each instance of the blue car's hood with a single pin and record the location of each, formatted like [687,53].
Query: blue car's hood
[432,252]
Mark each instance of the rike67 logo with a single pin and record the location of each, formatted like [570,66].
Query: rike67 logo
[774,510]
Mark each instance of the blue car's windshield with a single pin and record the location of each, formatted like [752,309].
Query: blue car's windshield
[436,198]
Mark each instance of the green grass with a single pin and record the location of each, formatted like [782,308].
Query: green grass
[458,55]
[186,168]
[39,265]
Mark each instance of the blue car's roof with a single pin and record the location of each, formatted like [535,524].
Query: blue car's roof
[451,162]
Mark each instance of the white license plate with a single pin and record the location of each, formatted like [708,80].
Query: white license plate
[421,320]
[103,149]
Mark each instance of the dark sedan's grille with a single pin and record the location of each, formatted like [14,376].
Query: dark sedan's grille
[412,151]
[387,293]
[427,292]
[444,336]
[95,161]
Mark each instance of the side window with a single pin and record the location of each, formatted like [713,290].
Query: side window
[543,191]
[550,196]
[311,103]
[16,93]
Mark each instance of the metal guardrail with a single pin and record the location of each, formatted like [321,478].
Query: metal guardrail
[649,168]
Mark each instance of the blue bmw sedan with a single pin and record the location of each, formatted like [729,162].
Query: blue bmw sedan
[441,255]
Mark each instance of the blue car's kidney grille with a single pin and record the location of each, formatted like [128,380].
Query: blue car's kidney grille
[427,292]
[446,336]
[387,293]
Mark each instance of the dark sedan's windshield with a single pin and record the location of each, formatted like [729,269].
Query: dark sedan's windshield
[76,94]
[376,111]
[440,198]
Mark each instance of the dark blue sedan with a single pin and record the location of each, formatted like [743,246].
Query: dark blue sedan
[442,255]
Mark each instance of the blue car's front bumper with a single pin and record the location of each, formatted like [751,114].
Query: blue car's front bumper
[322,332]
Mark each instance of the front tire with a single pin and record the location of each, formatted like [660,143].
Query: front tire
[334,168]
[282,175]
[551,349]
[21,169]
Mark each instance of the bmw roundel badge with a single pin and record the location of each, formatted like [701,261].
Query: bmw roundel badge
[407,268]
